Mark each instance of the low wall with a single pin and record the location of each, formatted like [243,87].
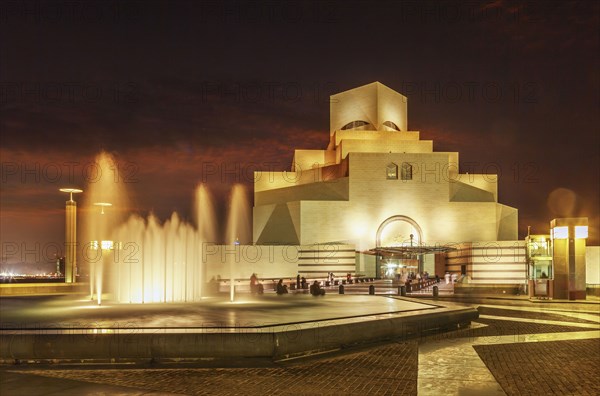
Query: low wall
[276,261]
[121,345]
[593,290]
[27,289]
[501,289]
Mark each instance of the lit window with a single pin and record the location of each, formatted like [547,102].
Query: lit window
[407,171]
[391,125]
[358,125]
[560,232]
[581,232]
[391,171]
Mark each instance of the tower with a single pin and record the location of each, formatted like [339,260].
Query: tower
[71,236]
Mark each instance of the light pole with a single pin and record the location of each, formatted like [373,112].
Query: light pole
[71,236]
[102,244]
[236,245]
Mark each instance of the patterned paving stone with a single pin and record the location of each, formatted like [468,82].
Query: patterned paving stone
[389,369]
[498,327]
[506,327]
[521,368]
[545,368]
[512,313]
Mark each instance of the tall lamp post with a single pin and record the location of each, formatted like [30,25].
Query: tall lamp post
[103,244]
[71,235]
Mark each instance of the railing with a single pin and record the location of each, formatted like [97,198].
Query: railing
[419,285]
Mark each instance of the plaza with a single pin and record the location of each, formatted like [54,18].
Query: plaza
[515,346]
[299,198]
[427,288]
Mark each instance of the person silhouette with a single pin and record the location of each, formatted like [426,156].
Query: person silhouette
[315,289]
[281,288]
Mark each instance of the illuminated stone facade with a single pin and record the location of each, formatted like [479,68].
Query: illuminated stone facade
[375,171]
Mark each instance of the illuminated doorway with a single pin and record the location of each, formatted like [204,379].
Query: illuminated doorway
[398,232]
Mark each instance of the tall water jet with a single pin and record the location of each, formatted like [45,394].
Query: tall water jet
[104,244]
[204,213]
[105,186]
[238,220]
[130,276]
[163,263]
[238,228]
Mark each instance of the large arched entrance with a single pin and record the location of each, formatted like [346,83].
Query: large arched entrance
[400,234]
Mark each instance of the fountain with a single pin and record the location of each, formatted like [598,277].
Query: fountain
[138,260]
[238,226]
[156,263]
[105,190]
[238,229]
[135,259]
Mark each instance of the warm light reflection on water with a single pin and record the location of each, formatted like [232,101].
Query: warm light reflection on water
[92,306]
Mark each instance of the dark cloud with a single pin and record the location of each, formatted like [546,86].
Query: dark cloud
[178,89]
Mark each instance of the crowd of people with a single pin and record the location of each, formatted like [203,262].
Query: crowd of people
[256,287]
[412,277]
[281,288]
[409,277]
[316,289]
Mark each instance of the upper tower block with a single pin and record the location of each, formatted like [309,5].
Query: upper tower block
[372,107]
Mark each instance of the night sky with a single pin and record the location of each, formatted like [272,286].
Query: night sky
[189,92]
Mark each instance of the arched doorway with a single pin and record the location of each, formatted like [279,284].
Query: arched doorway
[403,233]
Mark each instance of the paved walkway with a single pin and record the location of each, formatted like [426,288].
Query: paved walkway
[455,365]
[443,289]
[515,350]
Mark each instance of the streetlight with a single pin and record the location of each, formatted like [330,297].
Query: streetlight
[71,235]
[102,244]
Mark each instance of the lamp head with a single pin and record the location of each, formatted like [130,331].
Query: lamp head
[102,205]
[71,191]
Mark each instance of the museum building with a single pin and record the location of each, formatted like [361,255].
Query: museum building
[381,201]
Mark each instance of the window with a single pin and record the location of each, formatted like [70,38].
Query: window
[360,125]
[407,173]
[390,125]
[391,171]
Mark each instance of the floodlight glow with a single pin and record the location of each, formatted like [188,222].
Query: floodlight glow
[560,232]
[106,245]
[581,232]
